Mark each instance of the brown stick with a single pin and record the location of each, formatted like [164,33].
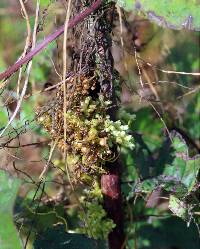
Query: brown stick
[77,19]
[110,186]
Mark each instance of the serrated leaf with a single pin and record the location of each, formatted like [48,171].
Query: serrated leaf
[8,189]
[170,184]
[173,14]
[180,177]
[57,238]
[183,168]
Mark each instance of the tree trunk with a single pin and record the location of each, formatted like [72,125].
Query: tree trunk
[110,185]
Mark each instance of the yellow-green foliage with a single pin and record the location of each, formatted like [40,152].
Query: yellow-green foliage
[89,130]
[91,136]
[94,220]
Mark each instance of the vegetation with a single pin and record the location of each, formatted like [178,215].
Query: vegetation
[99,124]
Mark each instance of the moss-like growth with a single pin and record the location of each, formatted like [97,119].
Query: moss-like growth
[93,217]
[91,139]
[90,132]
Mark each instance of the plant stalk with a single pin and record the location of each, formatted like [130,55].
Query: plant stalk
[72,23]
[110,186]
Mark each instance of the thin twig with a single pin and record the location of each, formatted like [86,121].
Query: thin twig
[138,67]
[150,83]
[28,72]
[77,19]
[27,44]
[64,84]
[171,82]
[196,89]
[41,177]
[24,145]
[167,71]
[162,120]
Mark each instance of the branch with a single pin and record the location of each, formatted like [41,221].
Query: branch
[77,19]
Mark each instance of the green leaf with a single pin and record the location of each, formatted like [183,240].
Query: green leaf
[173,14]
[178,207]
[57,238]
[179,177]
[45,216]
[183,168]
[8,190]
[170,184]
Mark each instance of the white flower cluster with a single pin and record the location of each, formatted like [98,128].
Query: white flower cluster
[119,133]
